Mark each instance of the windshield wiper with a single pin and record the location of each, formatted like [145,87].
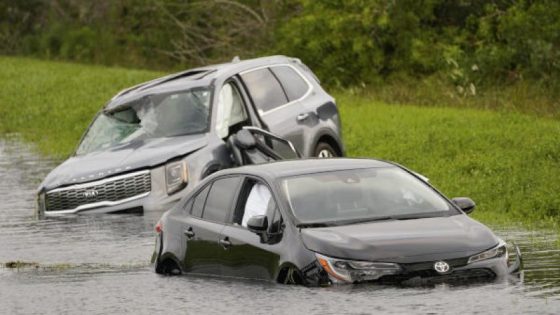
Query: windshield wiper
[343,222]
[364,220]
[312,225]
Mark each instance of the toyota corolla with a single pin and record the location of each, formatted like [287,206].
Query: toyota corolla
[319,222]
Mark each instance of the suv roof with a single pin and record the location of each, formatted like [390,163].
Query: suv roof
[202,76]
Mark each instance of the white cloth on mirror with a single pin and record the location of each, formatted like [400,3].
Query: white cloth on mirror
[257,202]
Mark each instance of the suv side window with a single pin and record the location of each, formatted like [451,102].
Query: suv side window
[199,201]
[294,85]
[264,88]
[220,199]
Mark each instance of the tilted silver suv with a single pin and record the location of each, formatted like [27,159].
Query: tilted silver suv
[153,142]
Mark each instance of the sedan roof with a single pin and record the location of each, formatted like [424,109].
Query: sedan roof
[307,166]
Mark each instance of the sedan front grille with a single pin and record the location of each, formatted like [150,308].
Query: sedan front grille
[106,191]
[429,277]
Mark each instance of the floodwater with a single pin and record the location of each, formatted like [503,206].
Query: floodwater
[100,265]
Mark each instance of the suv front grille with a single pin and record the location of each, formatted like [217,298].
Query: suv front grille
[106,191]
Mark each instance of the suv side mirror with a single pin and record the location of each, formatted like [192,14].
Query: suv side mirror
[258,224]
[464,203]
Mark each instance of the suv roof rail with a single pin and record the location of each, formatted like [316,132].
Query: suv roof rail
[171,77]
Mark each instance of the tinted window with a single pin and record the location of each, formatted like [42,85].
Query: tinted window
[265,90]
[199,201]
[220,199]
[293,83]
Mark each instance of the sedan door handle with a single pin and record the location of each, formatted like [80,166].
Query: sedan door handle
[189,233]
[302,116]
[225,243]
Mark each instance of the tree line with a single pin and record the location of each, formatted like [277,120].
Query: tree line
[346,42]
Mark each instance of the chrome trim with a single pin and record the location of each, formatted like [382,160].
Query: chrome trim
[309,85]
[96,205]
[98,182]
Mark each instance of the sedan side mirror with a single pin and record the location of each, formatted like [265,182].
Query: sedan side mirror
[258,224]
[464,203]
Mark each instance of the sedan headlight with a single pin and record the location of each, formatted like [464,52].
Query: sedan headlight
[352,270]
[498,251]
[176,176]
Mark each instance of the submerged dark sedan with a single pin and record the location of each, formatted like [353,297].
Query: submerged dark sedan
[319,222]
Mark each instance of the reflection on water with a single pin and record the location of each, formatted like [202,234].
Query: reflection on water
[100,264]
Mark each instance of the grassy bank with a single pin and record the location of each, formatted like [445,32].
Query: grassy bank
[51,103]
[509,163]
[537,98]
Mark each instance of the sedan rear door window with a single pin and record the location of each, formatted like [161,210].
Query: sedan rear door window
[220,199]
[199,202]
[294,85]
[265,90]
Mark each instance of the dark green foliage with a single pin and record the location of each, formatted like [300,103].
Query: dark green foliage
[161,34]
[473,44]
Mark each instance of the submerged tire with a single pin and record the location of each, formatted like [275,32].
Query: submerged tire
[290,275]
[168,267]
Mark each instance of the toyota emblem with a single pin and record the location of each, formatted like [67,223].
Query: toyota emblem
[441,267]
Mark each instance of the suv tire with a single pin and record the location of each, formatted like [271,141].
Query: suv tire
[324,150]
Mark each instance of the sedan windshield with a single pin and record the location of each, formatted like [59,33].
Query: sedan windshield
[351,196]
[152,116]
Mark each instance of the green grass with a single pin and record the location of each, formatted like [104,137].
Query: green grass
[508,162]
[539,98]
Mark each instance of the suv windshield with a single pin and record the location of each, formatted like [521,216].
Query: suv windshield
[152,116]
[361,195]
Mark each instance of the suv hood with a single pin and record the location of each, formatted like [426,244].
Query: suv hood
[403,241]
[122,158]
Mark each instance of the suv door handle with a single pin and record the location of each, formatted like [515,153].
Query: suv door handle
[189,233]
[302,116]
[225,243]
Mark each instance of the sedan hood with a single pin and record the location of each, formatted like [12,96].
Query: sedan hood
[402,241]
[122,158]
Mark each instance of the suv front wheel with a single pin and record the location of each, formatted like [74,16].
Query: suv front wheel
[324,150]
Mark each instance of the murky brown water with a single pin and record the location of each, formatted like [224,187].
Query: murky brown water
[100,265]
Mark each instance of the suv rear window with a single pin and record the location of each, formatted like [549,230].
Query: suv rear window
[294,85]
[265,90]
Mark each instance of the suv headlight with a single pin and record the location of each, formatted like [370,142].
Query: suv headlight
[498,251]
[352,270]
[176,176]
